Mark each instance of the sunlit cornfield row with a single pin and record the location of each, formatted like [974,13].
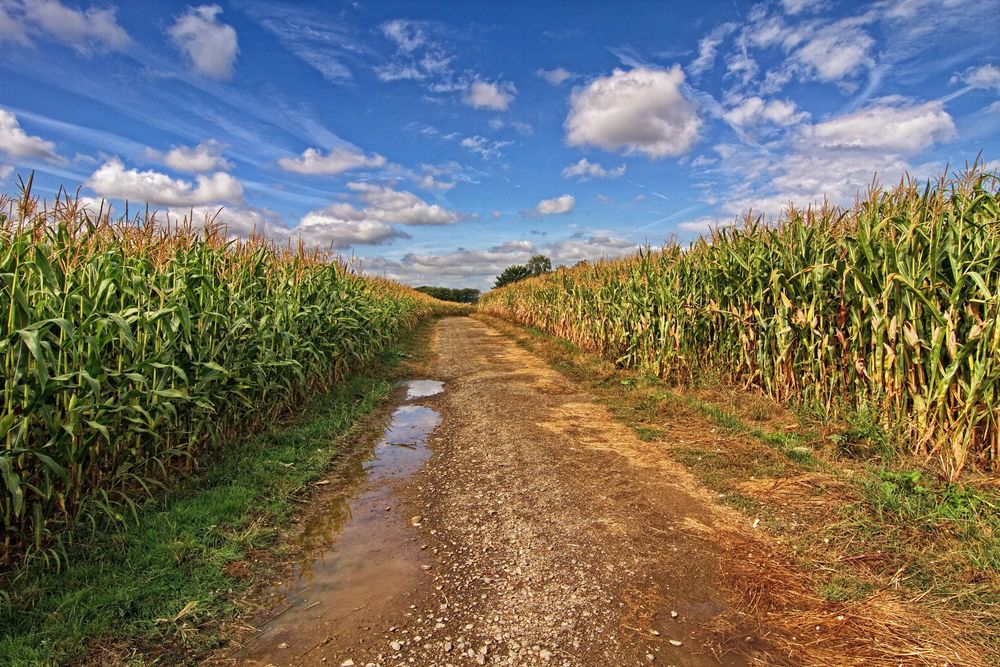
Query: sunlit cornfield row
[891,306]
[128,349]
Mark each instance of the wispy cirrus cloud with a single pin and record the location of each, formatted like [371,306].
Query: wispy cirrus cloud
[329,46]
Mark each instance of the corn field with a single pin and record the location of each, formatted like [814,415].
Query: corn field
[892,305]
[129,349]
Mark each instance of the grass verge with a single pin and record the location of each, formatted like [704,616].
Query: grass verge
[858,526]
[159,589]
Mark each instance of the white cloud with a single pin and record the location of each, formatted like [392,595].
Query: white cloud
[817,49]
[755,110]
[113,180]
[212,46]
[372,220]
[741,66]
[94,30]
[987,76]
[428,182]
[496,215]
[205,157]
[641,110]
[329,227]
[836,52]
[5,171]
[479,267]
[16,143]
[385,204]
[483,147]
[320,39]
[555,77]
[834,160]
[702,225]
[239,221]
[524,129]
[337,161]
[886,126]
[556,206]
[488,95]
[798,6]
[408,35]
[708,46]
[419,57]
[585,169]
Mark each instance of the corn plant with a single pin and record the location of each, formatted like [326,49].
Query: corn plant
[892,303]
[129,348]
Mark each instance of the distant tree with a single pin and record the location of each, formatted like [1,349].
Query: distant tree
[539,264]
[512,274]
[463,295]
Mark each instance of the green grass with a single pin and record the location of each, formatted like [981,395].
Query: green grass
[160,584]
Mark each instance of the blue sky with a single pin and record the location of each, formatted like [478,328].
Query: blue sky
[439,142]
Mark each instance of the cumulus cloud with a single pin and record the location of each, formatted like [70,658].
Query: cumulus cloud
[113,180]
[642,110]
[16,143]
[986,76]
[239,221]
[886,125]
[555,77]
[388,205]
[210,45]
[331,228]
[836,159]
[94,30]
[205,157]
[479,267]
[488,95]
[372,219]
[337,161]
[754,110]
[585,170]
[556,206]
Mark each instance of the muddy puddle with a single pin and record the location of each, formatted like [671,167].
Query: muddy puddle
[361,553]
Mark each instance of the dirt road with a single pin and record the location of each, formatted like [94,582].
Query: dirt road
[537,531]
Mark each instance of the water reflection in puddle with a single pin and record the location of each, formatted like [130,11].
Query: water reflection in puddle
[359,553]
[423,388]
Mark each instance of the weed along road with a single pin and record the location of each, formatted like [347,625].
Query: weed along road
[538,531]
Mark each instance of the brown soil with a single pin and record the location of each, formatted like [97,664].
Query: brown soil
[541,531]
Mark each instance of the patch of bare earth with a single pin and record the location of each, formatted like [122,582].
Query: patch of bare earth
[543,532]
